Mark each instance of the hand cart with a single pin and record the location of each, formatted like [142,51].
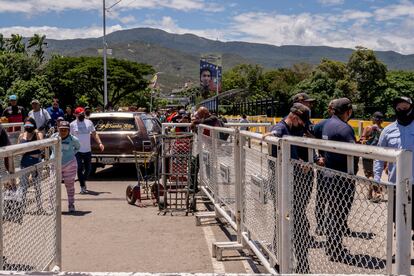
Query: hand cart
[146,164]
[178,174]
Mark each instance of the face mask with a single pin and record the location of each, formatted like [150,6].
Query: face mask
[404,117]
[29,129]
[81,117]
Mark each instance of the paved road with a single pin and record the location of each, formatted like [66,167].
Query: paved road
[107,234]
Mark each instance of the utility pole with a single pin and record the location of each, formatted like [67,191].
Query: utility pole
[104,57]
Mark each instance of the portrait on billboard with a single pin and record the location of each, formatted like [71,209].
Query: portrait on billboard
[210,77]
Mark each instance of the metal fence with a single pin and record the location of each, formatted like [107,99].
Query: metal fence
[13,131]
[299,217]
[30,230]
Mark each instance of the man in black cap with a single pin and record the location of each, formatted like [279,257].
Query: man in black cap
[341,189]
[370,136]
[304,99]
[291,125]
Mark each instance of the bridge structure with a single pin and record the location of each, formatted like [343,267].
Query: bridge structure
[274,204]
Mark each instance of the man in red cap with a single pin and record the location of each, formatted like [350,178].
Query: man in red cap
[83,129]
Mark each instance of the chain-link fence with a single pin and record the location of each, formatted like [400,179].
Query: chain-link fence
[30,206]
[260,201]
[335,227]
[299,217]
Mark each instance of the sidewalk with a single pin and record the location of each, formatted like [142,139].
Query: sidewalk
[107,234]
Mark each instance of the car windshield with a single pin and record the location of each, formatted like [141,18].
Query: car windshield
[114,124]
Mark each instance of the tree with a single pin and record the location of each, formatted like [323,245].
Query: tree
[16,67]
[38,42]
[15,44]
[2,43]
[370,75]
[37,87]
[75,77]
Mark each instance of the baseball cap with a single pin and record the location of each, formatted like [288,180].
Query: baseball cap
[79,110]
[34,101]
[402,99]
[60,119]
[342,104]
[302,97]
[302,111]
[64,124]
[28,124]
[378,115]
[13,98]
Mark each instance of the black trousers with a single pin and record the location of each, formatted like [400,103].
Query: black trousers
[341,192]
[302,190]
[322,193]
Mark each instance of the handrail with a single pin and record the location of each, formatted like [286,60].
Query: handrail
[22,148]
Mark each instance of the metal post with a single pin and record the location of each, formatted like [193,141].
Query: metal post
[58,157]
[104,57]
[284,180]
[217,80]
[403,213]
[238,143]
[213,164]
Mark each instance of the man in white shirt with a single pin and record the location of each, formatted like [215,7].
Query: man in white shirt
[41,117]
[83,129]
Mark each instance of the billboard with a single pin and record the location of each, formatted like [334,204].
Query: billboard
[210,77]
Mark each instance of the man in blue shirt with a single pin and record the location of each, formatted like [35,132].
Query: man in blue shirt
[55,112]
[291,125]
[322,188]
[341,189]
[398,135]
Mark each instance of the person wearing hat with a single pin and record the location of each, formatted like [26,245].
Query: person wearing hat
[55,112]
[341,190]
[88,111]
[398,135]
[29,159]
[370,136]
[83,129]
[41,116]
[70,146]
[291,125]
[321,187]
[14,113]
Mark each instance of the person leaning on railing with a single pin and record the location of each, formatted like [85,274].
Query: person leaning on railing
[341,189]
[291,125]
[399,135]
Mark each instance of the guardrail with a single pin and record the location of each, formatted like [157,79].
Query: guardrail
[299,216]
[30,231]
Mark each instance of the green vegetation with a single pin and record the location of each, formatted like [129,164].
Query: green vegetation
[364,79]
[74,80]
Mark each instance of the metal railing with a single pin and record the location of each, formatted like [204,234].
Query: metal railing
[301,217]
[30,231]
[13,131]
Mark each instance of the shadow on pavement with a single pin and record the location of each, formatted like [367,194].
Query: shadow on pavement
[96,193]
[77,213]
[124,172]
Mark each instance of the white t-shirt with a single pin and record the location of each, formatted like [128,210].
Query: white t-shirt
[41,117]
[83,130]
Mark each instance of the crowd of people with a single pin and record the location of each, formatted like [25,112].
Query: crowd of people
[72,126]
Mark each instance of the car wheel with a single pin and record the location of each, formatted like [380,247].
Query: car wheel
[131,194]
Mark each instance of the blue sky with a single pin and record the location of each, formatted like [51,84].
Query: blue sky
[376,24]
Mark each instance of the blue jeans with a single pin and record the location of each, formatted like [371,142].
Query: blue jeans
[84,166]
[28,161]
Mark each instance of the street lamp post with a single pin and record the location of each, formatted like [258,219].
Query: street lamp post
[104,58]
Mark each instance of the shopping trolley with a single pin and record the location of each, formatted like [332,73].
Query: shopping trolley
[147,186]
[178,174]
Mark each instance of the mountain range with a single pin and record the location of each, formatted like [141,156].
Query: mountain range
[177,55]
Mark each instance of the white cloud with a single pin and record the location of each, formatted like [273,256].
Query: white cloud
[42,6]
[349,29]
[331,2]
[402,9]
[59,33]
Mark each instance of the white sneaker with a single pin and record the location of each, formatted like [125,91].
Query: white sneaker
[71,208]
[83,190]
